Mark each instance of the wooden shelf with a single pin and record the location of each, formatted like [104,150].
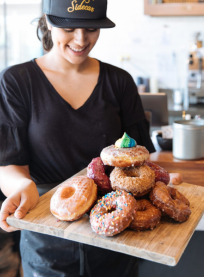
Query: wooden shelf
[173,9]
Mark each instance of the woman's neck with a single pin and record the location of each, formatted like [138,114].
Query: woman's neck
[59,63]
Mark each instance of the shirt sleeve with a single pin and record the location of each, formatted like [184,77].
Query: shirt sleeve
[133,117]
[13,121]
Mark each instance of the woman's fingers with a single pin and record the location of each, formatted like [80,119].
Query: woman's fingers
[176,178]
[23,208]
[28,201]
[18,203]
[5,212]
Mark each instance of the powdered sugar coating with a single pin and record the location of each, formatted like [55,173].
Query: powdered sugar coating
[113,213]
[124,157]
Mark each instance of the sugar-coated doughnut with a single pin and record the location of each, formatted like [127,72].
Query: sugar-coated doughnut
[176,179]
[124,157]
[113,213]
[73,198]
[170,201]
[96,170]
[136,180]
[160,173]
[146,217]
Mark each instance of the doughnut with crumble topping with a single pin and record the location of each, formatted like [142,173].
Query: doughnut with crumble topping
[136,180]
[146,217]
[113,213]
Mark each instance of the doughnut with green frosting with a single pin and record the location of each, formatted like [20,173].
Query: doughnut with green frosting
[125,142]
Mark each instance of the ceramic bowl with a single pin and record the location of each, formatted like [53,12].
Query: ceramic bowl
[165,144]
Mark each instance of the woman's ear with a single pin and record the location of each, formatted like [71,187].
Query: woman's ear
[49,26]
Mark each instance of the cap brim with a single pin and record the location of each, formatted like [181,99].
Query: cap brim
[60,22]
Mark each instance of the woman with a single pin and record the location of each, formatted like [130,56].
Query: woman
[58,112]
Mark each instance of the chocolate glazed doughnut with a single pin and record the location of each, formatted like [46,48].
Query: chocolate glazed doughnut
[170,201]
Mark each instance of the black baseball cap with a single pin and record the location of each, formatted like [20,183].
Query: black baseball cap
[77,13]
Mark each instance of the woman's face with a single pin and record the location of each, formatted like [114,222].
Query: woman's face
[73,45]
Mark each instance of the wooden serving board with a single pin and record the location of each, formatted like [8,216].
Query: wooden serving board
[165,244]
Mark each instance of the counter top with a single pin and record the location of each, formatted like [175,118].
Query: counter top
[191,170]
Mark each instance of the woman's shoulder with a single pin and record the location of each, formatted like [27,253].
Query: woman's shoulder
[115,70]
[15,72]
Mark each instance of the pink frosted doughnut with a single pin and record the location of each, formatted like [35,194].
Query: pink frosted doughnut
[113,213]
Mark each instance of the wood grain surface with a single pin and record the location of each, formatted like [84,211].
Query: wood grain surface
[165,244]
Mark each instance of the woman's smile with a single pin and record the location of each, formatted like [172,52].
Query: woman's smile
[78,51]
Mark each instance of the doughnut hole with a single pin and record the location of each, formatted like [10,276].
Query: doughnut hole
[68,192]
[111,210]
[130,173]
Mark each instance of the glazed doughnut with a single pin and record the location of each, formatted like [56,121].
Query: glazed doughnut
[146,217]
[113,213]
[73,198]
[170,201]
[160,173]
[137,180]
[176,178]
[96,171]
[124,157]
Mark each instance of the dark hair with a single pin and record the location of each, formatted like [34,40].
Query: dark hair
[44,34]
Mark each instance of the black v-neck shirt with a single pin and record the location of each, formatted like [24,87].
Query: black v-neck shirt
[40,129]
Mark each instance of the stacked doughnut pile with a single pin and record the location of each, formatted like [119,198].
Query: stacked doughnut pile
[132,192]
[137,192]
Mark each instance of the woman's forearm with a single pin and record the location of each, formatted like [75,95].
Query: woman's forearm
[13,177]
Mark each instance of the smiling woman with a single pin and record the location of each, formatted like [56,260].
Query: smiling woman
[58,112]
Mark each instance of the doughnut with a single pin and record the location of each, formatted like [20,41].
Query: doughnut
[160,173]
[170,201]
[97,172]
[113,213]
[124,157]
[146,217]
[137,180]
[176,179]
[73,198]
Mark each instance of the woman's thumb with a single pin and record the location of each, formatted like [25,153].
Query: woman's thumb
[22,210]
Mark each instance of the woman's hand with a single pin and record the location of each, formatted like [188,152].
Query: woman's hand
[19,203]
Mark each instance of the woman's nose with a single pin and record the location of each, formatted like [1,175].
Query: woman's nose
[80,36]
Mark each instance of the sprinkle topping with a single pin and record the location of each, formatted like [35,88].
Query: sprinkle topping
[113,213]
